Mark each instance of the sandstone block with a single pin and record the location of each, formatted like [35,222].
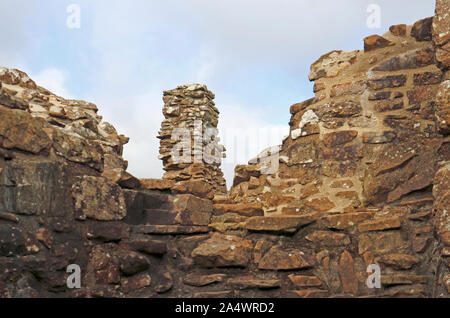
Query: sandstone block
[421,30]
[300,281]
[398,30]
[223,251]
[332,64]
[374,42]
[380,224]
[399,261]
[328,239]
[99,199]
[279,224]
[245,209]
[278,258]
[339,138]
[20,130]
[390,81]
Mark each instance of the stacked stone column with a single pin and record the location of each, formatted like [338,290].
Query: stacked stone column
[189,143]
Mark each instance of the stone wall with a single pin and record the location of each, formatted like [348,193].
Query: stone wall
[373,134]
[362,181]
[191,109]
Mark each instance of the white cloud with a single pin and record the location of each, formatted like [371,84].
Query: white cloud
[245,134]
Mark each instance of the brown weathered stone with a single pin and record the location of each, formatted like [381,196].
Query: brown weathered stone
[228,222]
[199,280]
[131,263]
[390,81]
[374,42]
[339,138]
[319,87]
[441,35]
[196,187]
[378,137]
[16,77]
[296,108]
[99,199]
[382,242]
[280,224]
[329,239]
[427,78]
[223,251]
[342,184]
[399,261]
[20,130]
[398,30]
[347,274]
[245,209]
[157,184]
[341,109]
[400,169]
[388,105]
[253,282]
[443,108]
[421,30]
[147,246]
[344,153]
[108,232]
[136,282]
[192,210]
[36,188]
[278,258]
[380,95]
[77,149]
[332,64]
[402,279]
[321,204]
[105,264]
[9,216]
[352,88]
[380,224]
[424,57]
[441,195]
[343,221]
[300,281]
[169,229]
[420,94]
[410,60]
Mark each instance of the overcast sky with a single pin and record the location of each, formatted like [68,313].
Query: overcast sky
[253,54]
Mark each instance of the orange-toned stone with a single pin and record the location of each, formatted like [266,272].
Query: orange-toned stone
[380,224]
[374,42]
[157,184]
[245,209]
[304,281]
[321,204]
[346,220]
[398,30]
[347,274]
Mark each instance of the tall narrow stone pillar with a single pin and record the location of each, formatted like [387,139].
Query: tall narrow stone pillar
[189,143]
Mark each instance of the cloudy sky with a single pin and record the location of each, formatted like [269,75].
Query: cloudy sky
[253,54]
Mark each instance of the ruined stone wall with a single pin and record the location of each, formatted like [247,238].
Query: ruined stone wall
[190,109]
[373,134]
